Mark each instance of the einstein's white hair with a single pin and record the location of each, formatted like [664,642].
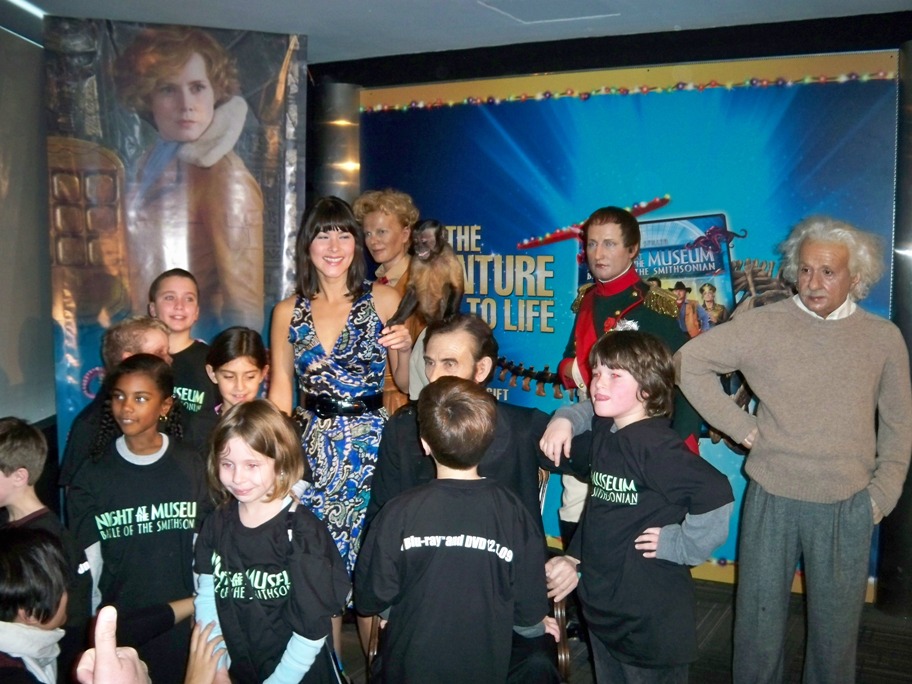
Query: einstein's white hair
[865,253]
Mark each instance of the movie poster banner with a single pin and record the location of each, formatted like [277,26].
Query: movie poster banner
[718,160]
[168,147]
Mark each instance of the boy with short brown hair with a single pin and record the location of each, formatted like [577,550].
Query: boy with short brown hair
[456,565]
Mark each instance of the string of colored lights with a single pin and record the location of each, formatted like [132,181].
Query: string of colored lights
[780,82]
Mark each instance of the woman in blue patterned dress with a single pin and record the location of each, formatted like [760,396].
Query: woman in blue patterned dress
[330,337]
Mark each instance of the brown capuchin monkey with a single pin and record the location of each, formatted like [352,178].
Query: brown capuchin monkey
[436,280]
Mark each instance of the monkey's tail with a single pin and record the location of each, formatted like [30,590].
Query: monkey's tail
[407,307]
[451,301]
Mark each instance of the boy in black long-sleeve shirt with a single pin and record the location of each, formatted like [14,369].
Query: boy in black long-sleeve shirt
[654,509]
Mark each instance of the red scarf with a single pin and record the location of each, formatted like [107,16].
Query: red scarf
[586,335]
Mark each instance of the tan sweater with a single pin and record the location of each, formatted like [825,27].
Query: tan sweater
[822,387]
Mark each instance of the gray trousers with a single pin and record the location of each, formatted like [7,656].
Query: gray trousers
[835,542]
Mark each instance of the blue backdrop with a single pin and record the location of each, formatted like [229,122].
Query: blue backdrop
[761,153]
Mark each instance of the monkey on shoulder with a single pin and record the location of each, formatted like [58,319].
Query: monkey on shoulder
[436,280]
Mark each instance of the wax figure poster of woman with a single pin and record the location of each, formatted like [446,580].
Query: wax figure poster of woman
[168,146]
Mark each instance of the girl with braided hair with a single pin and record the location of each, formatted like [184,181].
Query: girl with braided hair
[169,422]
[136,505]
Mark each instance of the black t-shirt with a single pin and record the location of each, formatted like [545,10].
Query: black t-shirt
[512,459]
[459,562]
[145,517]
[642,476]
[268,586]
[81,438]
[198,428]
[191,382]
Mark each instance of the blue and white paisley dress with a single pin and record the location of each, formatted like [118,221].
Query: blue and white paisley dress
[341,450]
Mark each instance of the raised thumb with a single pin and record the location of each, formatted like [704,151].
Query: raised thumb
[106,632]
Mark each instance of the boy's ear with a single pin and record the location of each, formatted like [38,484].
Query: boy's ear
[21,476]
[210,371]
[426,447]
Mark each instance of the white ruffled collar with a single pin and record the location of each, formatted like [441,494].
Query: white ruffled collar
[221,136]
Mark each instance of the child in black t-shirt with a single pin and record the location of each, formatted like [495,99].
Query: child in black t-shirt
[270,576]
[455,565]
[33,605]
[654,509]
[174,300]
[136,509]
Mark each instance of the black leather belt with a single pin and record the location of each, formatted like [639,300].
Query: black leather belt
[327,407]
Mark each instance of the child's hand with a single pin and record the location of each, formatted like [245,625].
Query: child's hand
[551,627]
[556,440]
[396,338]
[202,664]
[648,541]
[560,573]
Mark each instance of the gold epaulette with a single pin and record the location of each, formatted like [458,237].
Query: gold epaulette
[579,297]
[661,301]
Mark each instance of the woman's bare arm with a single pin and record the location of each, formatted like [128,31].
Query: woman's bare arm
[282,373]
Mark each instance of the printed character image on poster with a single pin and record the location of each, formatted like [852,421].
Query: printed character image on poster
[168,147]
[693,252]
[192,202]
